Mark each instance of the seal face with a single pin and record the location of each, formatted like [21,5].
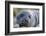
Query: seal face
[23,19]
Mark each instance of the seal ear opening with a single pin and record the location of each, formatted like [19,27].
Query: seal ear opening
[29,16]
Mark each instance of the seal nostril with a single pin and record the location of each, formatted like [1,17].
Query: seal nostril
[26,21]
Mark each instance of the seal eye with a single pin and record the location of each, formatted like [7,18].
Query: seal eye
[21,15]
[29,16]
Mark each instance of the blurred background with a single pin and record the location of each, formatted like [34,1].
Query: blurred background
[17,10]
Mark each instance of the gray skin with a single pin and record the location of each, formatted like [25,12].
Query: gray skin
[25,19]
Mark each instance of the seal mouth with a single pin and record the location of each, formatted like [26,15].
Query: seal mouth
[24,23]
